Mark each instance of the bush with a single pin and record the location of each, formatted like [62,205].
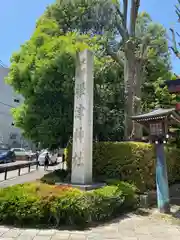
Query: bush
[129,192]
[39,203]
[56,176]
[130,161]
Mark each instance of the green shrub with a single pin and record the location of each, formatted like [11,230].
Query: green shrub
[105,202]
[129,192]
[30,203]
[133,162]
[39,203]
[56,176]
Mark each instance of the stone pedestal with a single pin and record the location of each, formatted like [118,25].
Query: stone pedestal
[83,187]
[83,120]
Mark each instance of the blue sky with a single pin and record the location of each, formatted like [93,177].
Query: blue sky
[18,18]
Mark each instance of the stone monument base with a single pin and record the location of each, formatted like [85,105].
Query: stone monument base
[83,187]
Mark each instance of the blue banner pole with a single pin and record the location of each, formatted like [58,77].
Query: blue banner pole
[162,180]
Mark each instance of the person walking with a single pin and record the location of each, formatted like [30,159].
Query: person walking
[63,160]
[37,159]
[46,162]
[37,156]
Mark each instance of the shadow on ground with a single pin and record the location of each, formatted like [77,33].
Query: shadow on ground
[118,219]
[143,212]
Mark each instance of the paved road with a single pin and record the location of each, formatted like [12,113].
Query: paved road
[14,179]
[131,227]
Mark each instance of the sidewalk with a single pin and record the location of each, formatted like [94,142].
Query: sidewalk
[27,177]
[130,227]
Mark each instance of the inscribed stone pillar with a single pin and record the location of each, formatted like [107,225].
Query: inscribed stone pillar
[83,120]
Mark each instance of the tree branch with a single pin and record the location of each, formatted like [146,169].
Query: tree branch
[175,52]
[113,54]
[134,13]
[178,11]
[173,38]
[115,57]
[176,75]
[144,47]
[120,29]
[174,47]
[121,20]
[125,8]
[178,34]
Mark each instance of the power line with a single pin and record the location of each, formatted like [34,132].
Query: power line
[2,64]
[5,104]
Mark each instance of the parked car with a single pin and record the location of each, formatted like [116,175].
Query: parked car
[21,152]
[31,154]
[52,156]
[6,155]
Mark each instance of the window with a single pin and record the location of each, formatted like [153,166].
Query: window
[156,129]
[13,136]
[18,150]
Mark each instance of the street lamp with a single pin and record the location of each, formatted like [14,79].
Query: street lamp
[157,124]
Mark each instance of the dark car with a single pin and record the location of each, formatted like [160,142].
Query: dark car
[6,155]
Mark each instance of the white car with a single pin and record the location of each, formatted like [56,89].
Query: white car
[52,157]
[31,154]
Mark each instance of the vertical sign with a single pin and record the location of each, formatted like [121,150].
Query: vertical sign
[83,120]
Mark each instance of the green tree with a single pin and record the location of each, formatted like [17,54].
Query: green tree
[130,46]
[106,17]
[43,72]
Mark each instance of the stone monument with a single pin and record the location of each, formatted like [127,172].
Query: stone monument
[83,120]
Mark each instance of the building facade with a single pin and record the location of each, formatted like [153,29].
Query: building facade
[9,134]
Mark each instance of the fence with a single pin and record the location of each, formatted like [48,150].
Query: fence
[18,167]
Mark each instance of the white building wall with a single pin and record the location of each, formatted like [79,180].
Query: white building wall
[9,134]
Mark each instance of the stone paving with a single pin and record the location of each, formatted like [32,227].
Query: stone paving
[130,227]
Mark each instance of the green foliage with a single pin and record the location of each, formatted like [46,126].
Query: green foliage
[38,204]
[56,176]
[156,63]
[29,203]
[164,98]
[132,162]
[106,202]
[92,16]
[43,71]
[128,190]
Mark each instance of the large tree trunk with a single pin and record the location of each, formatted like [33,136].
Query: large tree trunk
[138,80]
[128,42]
[129,72]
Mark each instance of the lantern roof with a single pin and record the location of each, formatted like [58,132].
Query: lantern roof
[171,82]
[158,114]
[173,85]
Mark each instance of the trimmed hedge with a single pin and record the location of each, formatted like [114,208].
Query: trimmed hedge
[59,175]
[130,161]
[42,204]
